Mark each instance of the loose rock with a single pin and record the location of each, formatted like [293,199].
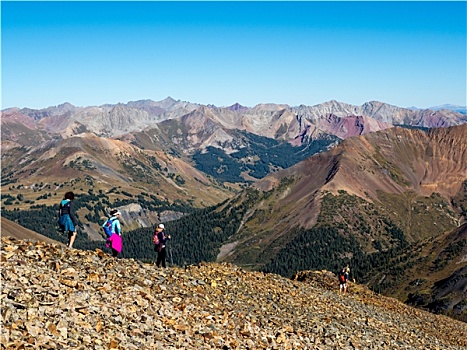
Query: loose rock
[52,297]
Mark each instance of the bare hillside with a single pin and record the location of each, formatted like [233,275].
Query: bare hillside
[13,230]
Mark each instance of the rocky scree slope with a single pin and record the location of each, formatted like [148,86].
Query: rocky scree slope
[52,298]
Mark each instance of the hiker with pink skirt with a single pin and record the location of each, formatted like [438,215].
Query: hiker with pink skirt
[115,239]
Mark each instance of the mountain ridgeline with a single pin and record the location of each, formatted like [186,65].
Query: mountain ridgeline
[246,143]
[271,188]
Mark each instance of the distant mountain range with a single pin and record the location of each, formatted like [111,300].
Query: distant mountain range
[454,108]
[263,119]
[380,187]
[249,142]
[449,107]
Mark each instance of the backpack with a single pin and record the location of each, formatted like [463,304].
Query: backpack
[157,242]
[155,239]
[342,277]
[108,227]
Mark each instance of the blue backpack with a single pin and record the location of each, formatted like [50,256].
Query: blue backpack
[108,227]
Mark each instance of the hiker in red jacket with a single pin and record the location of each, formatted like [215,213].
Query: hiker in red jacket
[343,280]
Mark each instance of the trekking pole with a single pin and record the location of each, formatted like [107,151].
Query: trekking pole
[171,259]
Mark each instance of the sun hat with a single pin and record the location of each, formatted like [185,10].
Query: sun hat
[161,226]
[115,212]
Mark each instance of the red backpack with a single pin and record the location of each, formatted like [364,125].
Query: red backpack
[342,277]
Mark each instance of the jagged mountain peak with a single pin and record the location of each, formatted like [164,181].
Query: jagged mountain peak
[237,107]
[66,106]
[168,99]
[168,102]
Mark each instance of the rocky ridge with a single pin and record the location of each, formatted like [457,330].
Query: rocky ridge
[52,297]
[278,121]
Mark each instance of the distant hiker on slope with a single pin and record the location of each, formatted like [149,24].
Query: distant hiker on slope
[347,272]
[160,238]
[113,230]
[67,219]
[343,280]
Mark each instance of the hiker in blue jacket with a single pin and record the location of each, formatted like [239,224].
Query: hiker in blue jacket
[112,224]
[67,219]
[113,230]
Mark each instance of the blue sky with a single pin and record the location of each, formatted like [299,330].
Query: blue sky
[92,53]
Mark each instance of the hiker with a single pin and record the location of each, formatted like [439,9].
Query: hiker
[160,239]
[67,219]
[343,280]
[113,230]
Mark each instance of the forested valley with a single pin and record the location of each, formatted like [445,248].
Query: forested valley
[200,233]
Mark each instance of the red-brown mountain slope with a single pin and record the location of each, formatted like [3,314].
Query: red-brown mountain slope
[393,161]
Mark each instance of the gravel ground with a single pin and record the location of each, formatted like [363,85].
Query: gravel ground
[55,298]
